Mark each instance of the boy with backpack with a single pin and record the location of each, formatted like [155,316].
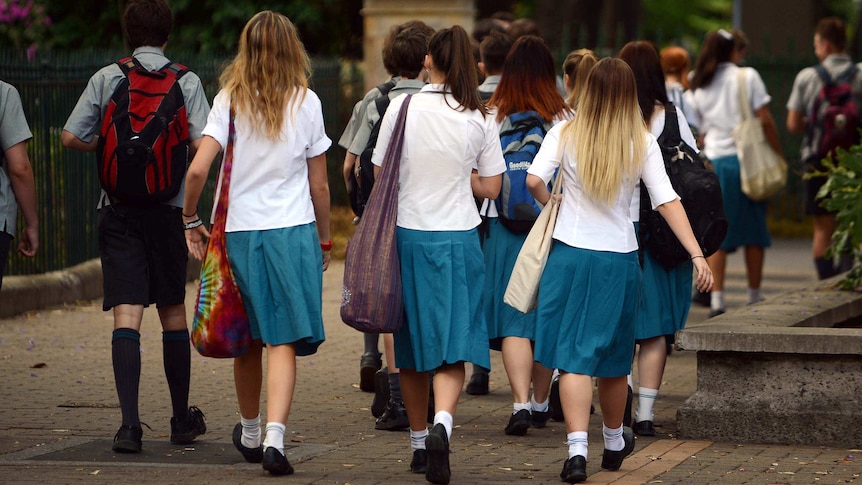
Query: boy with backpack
[143,116]
[824,105]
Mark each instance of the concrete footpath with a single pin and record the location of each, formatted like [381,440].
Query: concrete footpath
[59,412]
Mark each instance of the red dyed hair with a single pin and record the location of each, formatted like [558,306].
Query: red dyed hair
[528,82]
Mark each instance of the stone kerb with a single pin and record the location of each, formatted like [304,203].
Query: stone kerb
[778,372]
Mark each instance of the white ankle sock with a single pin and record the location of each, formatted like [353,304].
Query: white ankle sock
[754,295]
[250,432]
[646,401]
[716,300]
[417,439]
[613,438]
[577,441]
[539,407]
[519,406]
[444,418]
[274,436]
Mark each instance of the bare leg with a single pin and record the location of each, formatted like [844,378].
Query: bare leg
[754,265]
[448,381]
[518,361]
[541,382]
[576,396]
[248,378]
[824,226]
[415,388]
[280,381]
[612,397]
[651,361]
[718,264]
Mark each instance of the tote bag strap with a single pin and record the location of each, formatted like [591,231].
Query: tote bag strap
[744,105]
[224,188]
[387,179]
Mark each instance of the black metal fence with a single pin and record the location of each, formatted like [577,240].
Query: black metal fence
[67,184]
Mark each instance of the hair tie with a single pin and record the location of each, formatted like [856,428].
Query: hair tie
[727,35]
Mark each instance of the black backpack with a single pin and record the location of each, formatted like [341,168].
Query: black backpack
[359,190]
[699,191]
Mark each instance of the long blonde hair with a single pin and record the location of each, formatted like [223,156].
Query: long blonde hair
[607,135]
[270,72]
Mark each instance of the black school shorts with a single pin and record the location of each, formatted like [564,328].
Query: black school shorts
[144,255]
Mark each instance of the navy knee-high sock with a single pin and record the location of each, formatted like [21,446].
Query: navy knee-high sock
[126,356]
[825,268]
[176,353]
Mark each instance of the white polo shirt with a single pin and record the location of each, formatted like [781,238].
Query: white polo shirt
[581,222]
[441,147]
[269,178]
[715,108]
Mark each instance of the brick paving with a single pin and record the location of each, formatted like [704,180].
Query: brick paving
[58,413]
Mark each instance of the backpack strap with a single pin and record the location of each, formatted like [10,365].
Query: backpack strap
[847,75]
[671,125]
[823,74]
[178,70]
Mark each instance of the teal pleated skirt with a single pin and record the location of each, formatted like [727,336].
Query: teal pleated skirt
[587,308]
[442,274]
[501,250]
[665,298]
[746,219]
[279,273]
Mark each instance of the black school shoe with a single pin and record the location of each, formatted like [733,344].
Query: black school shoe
[369,364]
[644,428]
[539,419]
[612,460]
[251,455]
[519,423]
[276,463]
[478,385]
[574,469]
[128,439]
[419,462]
[381,392]
[437,448]
[394,419]
[184,431]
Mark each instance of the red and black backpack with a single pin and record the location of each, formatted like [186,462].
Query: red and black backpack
[143,148]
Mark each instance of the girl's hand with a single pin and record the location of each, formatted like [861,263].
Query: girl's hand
[195,241]
[704,274]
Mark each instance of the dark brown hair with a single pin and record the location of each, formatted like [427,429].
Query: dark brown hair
[717,48]
[643,58]
[386,51]
[493,51]
[147,23]
[833,30]
[408,52]
[452,54]
[529,81]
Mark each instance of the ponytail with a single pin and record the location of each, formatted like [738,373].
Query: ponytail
[452,53]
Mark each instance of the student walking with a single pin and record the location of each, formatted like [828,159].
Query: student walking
[713,102]
[589,291]
[451,154]
[665,298]
[277,229]
[526,104]
[141,245]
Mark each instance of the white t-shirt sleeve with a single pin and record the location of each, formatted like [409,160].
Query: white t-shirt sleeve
[319,142]
[756,90]
[655,177]
[547,160]
[218,121]
[490,160]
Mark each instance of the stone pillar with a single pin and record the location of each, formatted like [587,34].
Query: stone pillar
[381,15]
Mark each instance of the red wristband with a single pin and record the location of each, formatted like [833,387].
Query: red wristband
[327,246]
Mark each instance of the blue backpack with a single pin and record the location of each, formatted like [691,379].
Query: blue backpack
[521,135]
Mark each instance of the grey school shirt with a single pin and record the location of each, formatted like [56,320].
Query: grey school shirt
[807,86]
[86,118]
[13,130]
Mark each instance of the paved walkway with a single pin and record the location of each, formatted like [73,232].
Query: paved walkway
[58,413]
